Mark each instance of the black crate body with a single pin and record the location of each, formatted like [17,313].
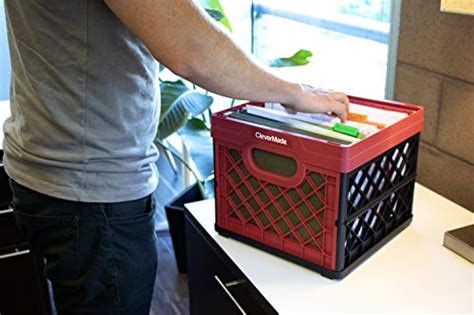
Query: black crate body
[376,199]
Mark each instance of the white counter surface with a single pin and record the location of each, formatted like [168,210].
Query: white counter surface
[413,273]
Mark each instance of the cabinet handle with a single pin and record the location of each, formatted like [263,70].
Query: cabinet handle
[15,254]
[6,211]
[224,287]
[234,283]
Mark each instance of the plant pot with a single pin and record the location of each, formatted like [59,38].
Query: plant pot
[175,215]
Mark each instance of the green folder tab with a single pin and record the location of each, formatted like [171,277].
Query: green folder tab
[346,129]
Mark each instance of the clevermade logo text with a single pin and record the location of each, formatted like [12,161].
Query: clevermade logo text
[273,139]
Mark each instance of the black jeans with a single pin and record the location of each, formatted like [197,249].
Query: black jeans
[101,258]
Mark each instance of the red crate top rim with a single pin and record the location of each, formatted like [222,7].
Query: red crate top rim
[409,109]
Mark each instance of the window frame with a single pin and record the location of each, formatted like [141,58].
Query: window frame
[389,37]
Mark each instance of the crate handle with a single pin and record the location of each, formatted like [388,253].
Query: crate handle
[274,166]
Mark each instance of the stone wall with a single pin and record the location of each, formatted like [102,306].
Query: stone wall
[435,68]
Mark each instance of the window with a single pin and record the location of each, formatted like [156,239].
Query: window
[353,41]
[4,57]
[350,41]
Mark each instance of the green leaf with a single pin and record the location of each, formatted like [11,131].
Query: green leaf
[196,124]
[200,147]
[170,91]
[172,123]
[216,5]
[300,58]
[178,102]
[215,14]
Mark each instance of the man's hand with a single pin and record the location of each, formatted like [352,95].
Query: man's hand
[319,100]
[184,38]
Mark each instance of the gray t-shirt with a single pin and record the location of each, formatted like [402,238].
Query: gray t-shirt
[84,103]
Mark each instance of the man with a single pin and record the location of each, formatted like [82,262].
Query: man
[78,147]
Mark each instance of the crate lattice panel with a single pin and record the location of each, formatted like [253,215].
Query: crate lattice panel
[299,220]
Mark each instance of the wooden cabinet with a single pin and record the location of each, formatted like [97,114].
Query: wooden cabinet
[216,285]
[23,288]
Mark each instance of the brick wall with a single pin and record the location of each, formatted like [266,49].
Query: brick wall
[435,68]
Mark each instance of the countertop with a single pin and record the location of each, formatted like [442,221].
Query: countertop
[413,273]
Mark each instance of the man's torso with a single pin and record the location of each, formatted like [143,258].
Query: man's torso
[84,103]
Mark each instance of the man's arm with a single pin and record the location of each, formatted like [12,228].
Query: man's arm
[185,39]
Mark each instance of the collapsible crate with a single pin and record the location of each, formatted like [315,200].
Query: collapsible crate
[322,205]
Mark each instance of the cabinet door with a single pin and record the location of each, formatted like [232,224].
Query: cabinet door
[215,285]
[5,192]
[207,278]
[10,235]
[23,289]
[22,285]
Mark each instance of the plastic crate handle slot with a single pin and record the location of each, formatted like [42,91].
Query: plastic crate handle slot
[269,165]
[274,163]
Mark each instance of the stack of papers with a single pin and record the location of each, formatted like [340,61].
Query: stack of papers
[327,120]
[365,121]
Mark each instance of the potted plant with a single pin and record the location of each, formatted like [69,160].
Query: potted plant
[187,111]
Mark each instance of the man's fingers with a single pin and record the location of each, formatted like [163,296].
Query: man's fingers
[320,101]
[341,102]
[338,108]
[341,98]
